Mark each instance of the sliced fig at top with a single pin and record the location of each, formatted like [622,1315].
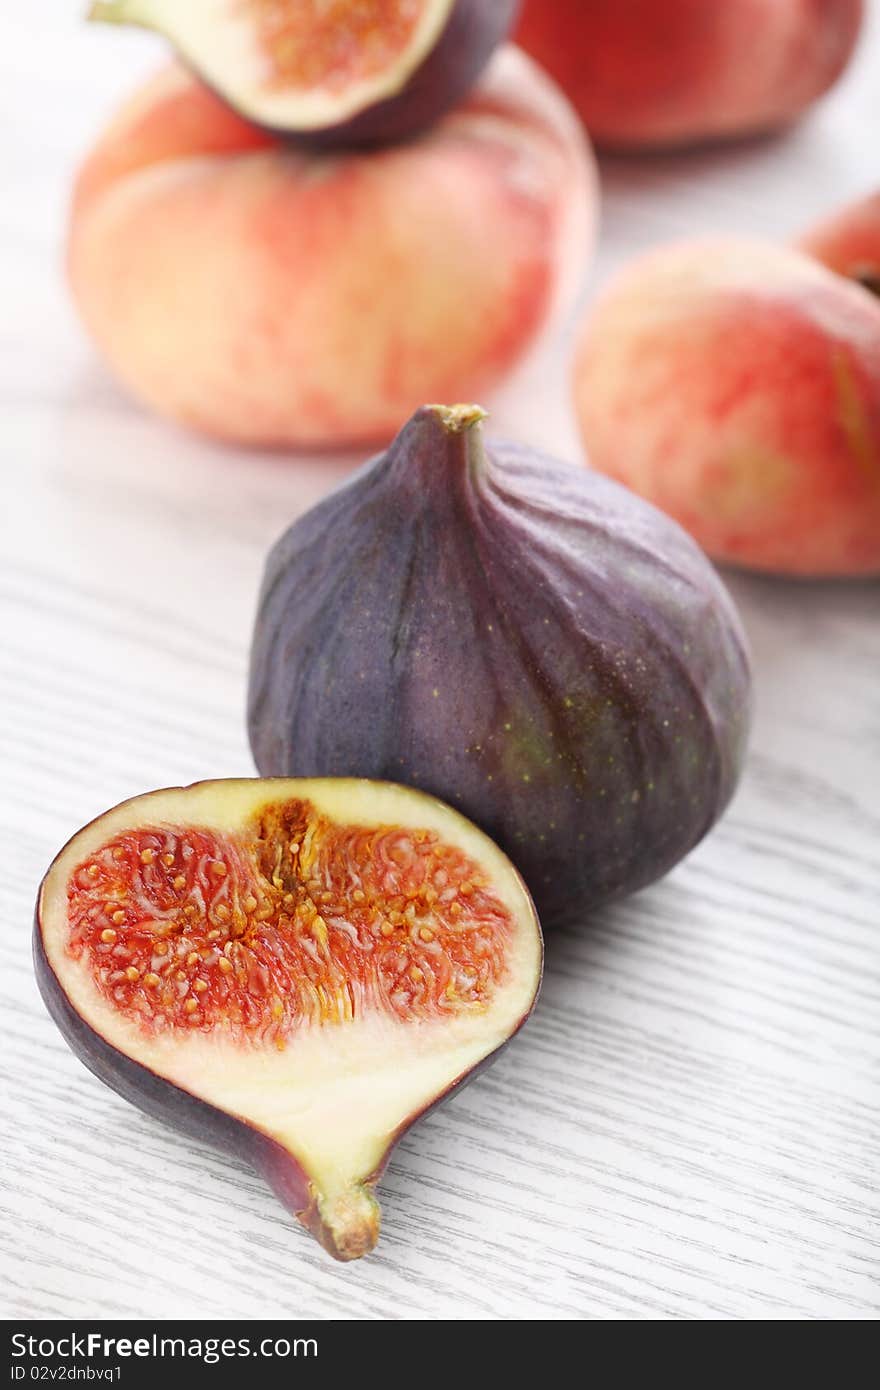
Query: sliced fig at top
[293,970]
[523,638]
[330,71]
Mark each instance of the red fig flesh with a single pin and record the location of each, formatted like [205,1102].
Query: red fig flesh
[294,969]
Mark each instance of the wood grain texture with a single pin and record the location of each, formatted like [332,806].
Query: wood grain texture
[689,1126]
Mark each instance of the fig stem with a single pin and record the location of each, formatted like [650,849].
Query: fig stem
[458,437]
[455,419]
[347,1224]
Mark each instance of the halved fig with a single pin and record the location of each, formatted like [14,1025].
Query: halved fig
[295,970]
[330,71]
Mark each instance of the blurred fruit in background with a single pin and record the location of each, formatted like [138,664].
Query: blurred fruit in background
[654,73]
[282,297]
[849,242]
[736,385]
[330,71]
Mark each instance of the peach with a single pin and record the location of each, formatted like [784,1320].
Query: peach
[849,242]
[737,386]
[644,74]
[279,297]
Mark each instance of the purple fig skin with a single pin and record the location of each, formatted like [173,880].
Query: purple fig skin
[526,640]
[187,1113]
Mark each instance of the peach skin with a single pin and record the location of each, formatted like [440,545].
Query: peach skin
[648,75]
[271,296]
[849,242]
[737,386]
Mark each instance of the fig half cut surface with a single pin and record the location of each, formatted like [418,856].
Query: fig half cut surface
[330,71]
[295,970]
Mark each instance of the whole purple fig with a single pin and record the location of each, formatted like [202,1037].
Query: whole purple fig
[524,639]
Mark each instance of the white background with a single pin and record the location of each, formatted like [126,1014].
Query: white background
[689,1126]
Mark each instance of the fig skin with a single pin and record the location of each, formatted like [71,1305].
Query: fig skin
[469,37]
[524,639]
[347,1230]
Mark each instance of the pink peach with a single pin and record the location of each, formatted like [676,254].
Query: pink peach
[737,386]
[276,297]
[646,74]
[849,242]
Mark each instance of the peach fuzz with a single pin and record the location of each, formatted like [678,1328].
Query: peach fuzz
[274,297]
[849,242]
[644,74]
[736,385]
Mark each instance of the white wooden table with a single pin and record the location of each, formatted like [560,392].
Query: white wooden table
[689,1126]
